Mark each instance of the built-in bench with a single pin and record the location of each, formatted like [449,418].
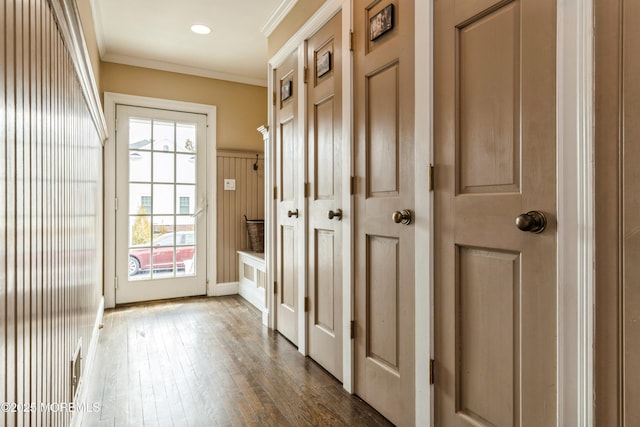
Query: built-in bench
[253,280]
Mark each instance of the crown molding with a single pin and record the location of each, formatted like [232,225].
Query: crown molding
[278,15]
[183,69]
[97,23]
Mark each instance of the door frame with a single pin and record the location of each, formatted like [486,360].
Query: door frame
[111,100]
[575,202]
[575,193]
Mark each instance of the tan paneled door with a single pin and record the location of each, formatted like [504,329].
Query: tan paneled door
[617,155]
[384,233]
[161,208]
[324,136]
[495,284]
[288,217]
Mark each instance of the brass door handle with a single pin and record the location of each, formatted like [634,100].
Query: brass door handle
[402,217]
[293,213]
[337,214]
[533,222]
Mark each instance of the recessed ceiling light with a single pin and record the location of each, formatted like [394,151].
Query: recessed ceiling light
[200,29]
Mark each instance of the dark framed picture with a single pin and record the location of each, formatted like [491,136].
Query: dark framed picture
[323,64]
[286,90]
[381,22]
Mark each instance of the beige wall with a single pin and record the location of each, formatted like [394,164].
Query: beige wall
[241,108]
[301,12]
[89,29]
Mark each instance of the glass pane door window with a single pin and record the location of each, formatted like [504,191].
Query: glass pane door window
[163,157]
[162,169]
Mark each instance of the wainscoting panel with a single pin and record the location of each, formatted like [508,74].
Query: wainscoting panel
[247,199]
[50,210]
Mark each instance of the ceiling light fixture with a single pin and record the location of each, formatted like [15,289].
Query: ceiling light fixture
[200,29]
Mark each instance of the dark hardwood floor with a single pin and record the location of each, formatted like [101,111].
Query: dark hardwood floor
[207,362]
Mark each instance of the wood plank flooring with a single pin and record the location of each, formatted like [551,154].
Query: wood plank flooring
[208,362]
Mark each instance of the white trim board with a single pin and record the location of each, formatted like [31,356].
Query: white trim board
[222,289]
[278,15]
[575,193]
[87,362]
[110,102]
[423,216]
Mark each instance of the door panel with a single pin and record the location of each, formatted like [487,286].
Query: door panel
[495,286]
[617,384]
[384,158]
[382,308]
[288,175]
[488,289]
[382,132]
[324,138]
[489,153]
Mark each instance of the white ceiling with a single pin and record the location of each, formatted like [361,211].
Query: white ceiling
[156,34]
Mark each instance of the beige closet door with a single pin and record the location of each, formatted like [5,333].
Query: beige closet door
[495,285]
[617,379]
[384,147]
[288,178]
[324,118]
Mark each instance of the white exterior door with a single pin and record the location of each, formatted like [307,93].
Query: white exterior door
[161,204]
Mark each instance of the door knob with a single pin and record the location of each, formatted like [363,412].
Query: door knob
[403,217]
[293,213]
[336,214]
[534,222]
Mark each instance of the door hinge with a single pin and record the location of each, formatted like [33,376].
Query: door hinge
[116,203]
[352,329]
[115,282]
[306,304]
[307,188]
[274,98]
[275,192]
[275,287]
[306,74]
[432,371]
[432,177]
[352,185]
[351,41]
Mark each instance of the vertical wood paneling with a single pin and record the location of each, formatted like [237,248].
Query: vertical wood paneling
[4,267]
[51,171]
[247,199]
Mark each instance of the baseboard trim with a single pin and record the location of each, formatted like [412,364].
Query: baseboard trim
[220,289]
[77,416]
